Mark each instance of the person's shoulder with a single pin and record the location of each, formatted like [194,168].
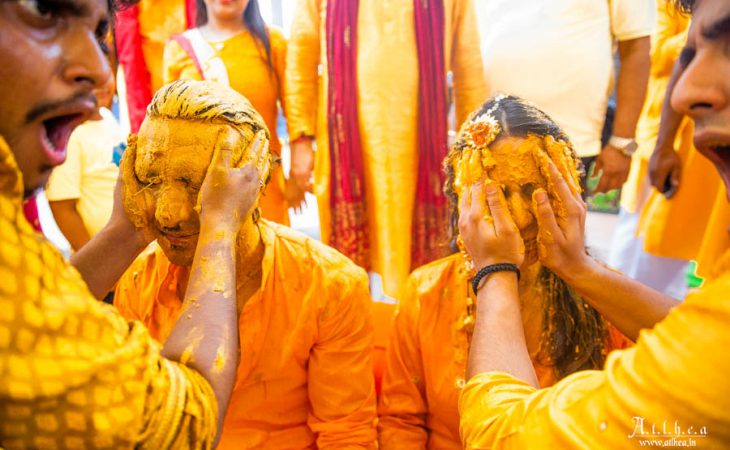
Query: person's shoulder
[434,274]
[311,253]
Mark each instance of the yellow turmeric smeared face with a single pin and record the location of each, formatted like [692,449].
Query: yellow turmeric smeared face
[170,162]
[519,166]
[165,164]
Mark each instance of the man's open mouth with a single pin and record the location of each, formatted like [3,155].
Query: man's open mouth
[55,134]
[719,154]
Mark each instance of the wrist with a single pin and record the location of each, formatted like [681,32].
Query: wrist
[124,232]
[581,271]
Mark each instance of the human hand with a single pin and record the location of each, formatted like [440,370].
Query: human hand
[129,207]
[294,196]
[229,194]
[490,237]
[561,242]
[665,169]
[302,164]
[615,166]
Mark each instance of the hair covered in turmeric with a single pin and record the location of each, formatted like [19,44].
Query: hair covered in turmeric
[510,142]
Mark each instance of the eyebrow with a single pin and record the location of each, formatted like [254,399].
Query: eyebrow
[717,29]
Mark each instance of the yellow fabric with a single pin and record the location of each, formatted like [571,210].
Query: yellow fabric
[693,224]
[387,70]
[305,375]
[427,355]
[89,174]
[666,44]
[672,374]
[158,20]
[74,373]
[249,74]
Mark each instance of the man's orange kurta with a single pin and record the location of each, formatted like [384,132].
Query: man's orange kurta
[427,356]
[387,76]
[249,74]
[73,372]
[305,375]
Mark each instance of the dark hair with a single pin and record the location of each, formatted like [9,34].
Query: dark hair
[253,20]
[574,334]
[686,6]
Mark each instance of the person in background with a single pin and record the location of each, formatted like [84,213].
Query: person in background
[141,32]
[530,49]
[234,46]
[426,358]
[80,191]
[627,251]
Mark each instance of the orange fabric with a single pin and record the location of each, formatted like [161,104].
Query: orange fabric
[249,74]
[158,20]
[427,356]
[305,375]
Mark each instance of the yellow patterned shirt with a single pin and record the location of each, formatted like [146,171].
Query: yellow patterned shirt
[73,372]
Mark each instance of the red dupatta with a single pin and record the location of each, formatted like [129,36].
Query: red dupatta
[347,198]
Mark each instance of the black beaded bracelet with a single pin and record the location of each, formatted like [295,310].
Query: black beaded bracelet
[500,267]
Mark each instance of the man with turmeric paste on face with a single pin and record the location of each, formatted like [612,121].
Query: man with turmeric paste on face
[506,142]
[73,372]
[305,375]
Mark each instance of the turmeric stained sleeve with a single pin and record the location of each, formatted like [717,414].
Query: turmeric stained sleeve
[74,373]
[302,61]
[670,376]
[341,386]
[402,405]
[470,89]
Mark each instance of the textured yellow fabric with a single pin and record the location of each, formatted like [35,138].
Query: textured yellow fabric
[249,74]
[158,20]
[672,376]
[666,44]
[73,372]
[387,71]
[305,375]
[693,224]
[427,356]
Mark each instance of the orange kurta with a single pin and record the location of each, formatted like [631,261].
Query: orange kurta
[387,76]
[427,356]
[73,372]
[305,375]
[250,75]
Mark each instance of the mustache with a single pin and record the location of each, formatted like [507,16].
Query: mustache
[49,107]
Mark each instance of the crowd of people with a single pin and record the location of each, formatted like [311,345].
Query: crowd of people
[449,153]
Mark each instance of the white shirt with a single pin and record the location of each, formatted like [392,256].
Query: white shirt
[559,55]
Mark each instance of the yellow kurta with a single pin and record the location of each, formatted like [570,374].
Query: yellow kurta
[693,224]
[387,71]
[666,44]
[158,20]
[673,377]
[426,359]
[73,372]
[249,74]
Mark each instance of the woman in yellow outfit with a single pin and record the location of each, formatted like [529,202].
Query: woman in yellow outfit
[427,356]
[234,46]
